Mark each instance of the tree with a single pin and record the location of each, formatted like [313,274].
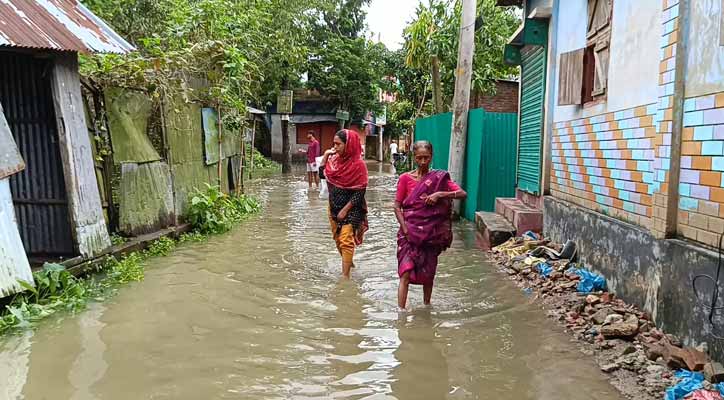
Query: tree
[433,33]
[344,66]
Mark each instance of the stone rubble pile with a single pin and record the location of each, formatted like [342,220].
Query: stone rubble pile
[622,338]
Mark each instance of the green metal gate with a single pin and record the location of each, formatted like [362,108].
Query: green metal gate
[436,130]
[533,72]
[490,154]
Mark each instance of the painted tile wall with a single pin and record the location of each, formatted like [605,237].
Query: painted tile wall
[701,184]
[605,163]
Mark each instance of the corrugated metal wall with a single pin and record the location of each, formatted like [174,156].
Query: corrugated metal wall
[436,130]
[498,157]
[533,70]
[39,192]
[490,154]
[13,261]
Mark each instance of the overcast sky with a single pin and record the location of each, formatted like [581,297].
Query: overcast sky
[388,18]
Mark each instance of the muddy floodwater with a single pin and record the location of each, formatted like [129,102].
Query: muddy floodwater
[260,313]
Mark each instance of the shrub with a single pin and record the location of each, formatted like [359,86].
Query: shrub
[215,212]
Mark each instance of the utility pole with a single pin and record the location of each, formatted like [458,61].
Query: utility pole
[286,146]
[285,107]
[461,100]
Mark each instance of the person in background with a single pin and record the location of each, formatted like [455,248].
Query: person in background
[423,207]
[346,174]
[393,152]
[313,150]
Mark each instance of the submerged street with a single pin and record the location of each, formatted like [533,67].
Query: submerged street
[260,313]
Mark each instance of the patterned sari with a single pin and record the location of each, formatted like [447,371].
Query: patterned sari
[429,230]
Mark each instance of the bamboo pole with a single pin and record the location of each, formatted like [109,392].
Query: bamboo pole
[220,140]
[251,152]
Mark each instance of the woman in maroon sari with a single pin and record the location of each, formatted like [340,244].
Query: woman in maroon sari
[423,207]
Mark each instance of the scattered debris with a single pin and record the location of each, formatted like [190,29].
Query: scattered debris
[640,359]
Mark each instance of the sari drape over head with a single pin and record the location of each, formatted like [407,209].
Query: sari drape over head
[347,179]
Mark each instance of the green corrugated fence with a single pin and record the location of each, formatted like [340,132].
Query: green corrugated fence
[490,164]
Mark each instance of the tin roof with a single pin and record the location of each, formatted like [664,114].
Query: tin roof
[58,25]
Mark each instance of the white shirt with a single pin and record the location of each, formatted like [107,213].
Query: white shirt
[393,148]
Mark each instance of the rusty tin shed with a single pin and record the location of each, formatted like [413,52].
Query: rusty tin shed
[55,197]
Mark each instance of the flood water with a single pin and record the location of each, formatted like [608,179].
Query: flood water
[260,313]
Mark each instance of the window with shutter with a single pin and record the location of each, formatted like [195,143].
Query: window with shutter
[570,83]
[596,55]
[721,24]
[600,54]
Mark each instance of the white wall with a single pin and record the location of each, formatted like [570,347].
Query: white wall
[276,135]
[634,58]
[705,66]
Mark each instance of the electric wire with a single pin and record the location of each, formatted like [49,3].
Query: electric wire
[712,305]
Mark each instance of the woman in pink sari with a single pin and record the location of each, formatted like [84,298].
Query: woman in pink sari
[423,207]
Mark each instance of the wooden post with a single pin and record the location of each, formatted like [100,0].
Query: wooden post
[286,146]
[220,140]
[251,152]
[382,145]
[242,157]
[461,101]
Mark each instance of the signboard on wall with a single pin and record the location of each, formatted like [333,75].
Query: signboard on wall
[284,102]
[210,122]
[342,115]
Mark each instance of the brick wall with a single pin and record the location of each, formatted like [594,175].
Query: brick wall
[504,101]
[662,190]
[701,185]
[604,163]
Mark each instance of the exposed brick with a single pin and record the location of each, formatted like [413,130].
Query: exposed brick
[504,101]
[709,208]
[716,225]
[687,231]
[698,221]
[683,217]
[647,223]
[708,238]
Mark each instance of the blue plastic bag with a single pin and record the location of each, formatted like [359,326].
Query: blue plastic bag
[544,269]
[690,382]
[589,281]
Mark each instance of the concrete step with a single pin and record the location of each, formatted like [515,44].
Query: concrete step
[523,217]
[494,228]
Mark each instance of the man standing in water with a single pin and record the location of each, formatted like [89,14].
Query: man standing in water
[313,150]
[393,152]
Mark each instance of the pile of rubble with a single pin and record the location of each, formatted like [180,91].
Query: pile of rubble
[641,359]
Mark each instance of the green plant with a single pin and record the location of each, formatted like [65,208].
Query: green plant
[213,211]
[55,289]
[117,239]
[192,237]
[161,247]
[127,269]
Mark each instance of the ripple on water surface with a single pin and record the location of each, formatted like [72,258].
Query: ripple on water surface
[261,314]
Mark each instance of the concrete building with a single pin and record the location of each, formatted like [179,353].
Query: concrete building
[49,200]
[311,112]
[629,128]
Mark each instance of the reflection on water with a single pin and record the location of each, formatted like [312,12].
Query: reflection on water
[260,313]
